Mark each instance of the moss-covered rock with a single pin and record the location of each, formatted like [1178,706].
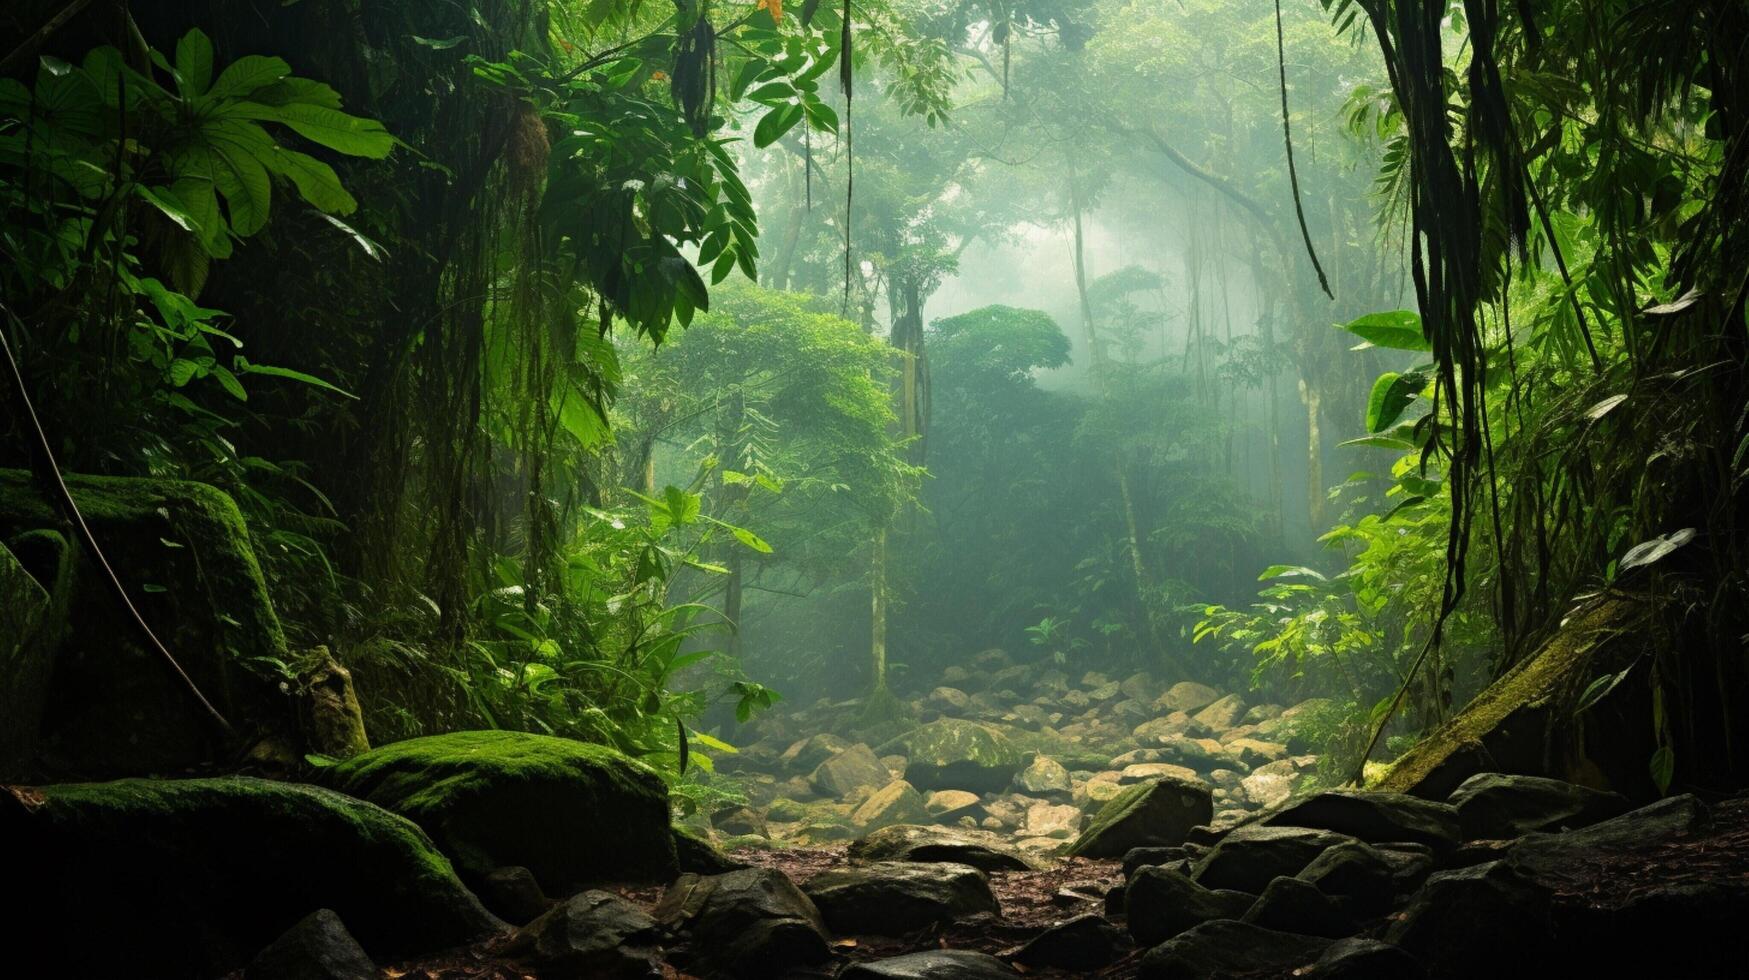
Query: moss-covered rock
[1157,813]
[25,659]
[1517,725]
[951,754]
[113,706]
[572,813]
[145,877]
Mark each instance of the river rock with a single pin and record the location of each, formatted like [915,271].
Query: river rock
[1045,776]
[1187,696]
[1365,876]
[569,812]
[1222,714]
[753,923]
[317,948]
[594,934]
[1297,906]
[192,877]
[512,894]
[1225,948]
[1161,902]
[979,848]
[1250,857]
[953,754]
[948,805]
[1271,784]
[1154,813]
[934,964]
[1496,805]
[1057,821]
[1375,817]
[1083,944]
[805,755]
[897,802]
[857,767]
[891,898]
[1147,772]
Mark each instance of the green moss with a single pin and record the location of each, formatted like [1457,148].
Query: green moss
[571,813]
[190,877]
[1485,728]
[953,754]
[1158,812]
[183,552]
[25,659]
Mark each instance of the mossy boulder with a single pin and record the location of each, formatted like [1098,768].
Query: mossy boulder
[1522,723]
[1156,813]
[113,707]
[952,754]
[144,877]
[572,813]
[25,659]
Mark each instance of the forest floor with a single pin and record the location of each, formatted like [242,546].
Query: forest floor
[1032,901]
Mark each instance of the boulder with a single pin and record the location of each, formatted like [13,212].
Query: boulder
[1255,752]
[1496,805]
[1222,714]
[952,754]
[594,934]
[857,767]
[571,813]
[753,923]
[1083,944]
[1161,903]
[333,720]
[1443,921]
[1271,785]
[1250,857]
[1225,948]
[1057,821]
[979,848]
[695,854]
[1137,858]
[934,964]
[512,894]
[1364,959]
[1367,878]
[1517,724]
[1147,772]
[740,821]
[947,700]
[1045,776]
[1187,696]
[948,805]
[1674,817]
[805,755]
[120,710]
[1375,817]
[891,898]
[1297,906]
[317,948]
[897,802]
[29,633]
[1154,813]
[193,877]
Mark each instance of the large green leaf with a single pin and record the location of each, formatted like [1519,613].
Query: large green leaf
[316,181]
[776,123]
[1398,330]
[351,135]
[247,74]
[1391,394]
[194,63]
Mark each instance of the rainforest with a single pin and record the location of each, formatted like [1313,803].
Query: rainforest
[877,490]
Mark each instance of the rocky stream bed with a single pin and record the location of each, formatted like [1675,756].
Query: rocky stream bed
[1019,823]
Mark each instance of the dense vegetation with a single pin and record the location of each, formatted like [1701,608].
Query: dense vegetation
[626,371]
